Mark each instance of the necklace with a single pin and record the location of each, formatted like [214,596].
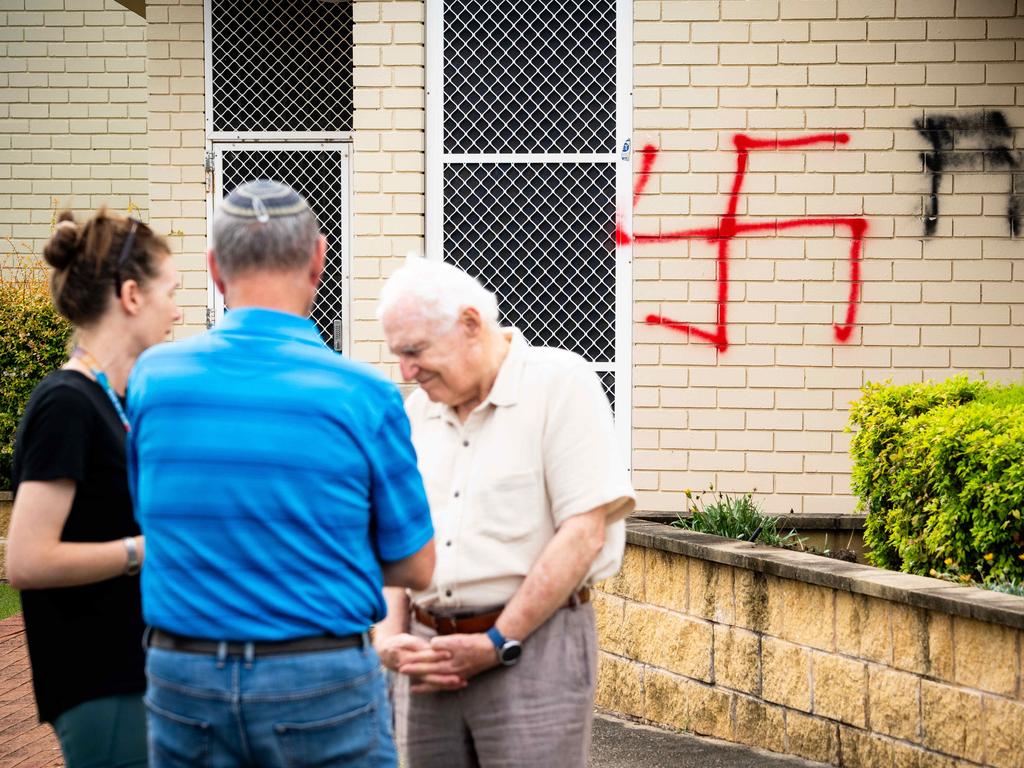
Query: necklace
[101,378]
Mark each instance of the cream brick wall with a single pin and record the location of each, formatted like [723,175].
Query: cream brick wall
[72,116]
[177,146]
[388,159]
[768,413]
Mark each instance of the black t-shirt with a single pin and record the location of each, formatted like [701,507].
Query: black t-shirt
[83,642]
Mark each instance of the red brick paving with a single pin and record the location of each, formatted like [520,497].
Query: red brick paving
[24,742]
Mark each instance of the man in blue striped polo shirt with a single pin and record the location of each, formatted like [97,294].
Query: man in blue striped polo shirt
[278,491]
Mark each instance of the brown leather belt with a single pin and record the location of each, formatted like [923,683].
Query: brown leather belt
[480,622]
[171,642]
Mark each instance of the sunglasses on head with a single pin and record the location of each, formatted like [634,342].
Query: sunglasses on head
[126,252]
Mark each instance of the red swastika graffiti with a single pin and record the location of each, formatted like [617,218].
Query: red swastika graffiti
[729,228]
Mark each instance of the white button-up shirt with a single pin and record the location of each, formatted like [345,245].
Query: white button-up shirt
[539,449]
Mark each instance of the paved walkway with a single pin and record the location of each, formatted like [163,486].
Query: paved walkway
[24,743]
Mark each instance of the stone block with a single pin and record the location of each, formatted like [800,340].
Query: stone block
[1004,724]
[805,612]
[665,579]
[619,685]
[709,711]
[985,656]
[665,699]
[737,659]
[922,641]
[863,750]
[711,595]
[950,719]
[668,640]
[610,615]
[760,725]
[812,738]
[862,627]
[840,689]
[785,674]
[894,703]
[629,581]
[751,599]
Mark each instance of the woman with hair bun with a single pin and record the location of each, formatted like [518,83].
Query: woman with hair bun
[74,547]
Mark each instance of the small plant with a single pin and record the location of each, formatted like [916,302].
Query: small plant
[734,517]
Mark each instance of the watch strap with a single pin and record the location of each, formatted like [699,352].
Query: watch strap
[497,638]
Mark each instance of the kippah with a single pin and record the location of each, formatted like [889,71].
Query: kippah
[263,200]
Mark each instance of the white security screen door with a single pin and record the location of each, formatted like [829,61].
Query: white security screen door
[320,173]
[528,109]
[279,106]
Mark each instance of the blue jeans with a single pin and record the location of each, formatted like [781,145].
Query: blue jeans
[327,708]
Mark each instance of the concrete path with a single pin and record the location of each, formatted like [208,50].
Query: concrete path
[621,744]
[24,743]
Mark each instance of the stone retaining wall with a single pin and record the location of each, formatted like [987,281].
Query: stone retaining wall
[836,662]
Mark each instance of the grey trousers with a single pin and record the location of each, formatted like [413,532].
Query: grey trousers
[537,713]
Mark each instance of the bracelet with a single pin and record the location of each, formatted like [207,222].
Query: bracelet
[133,566]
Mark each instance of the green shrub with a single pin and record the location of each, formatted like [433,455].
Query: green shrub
[737,517]
[33,342]
[939,469]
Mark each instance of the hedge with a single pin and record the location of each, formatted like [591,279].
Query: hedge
[939,469]
[34,341]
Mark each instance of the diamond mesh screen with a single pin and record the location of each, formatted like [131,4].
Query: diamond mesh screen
[281,65]
[529,77]
[317,176]
[608,382]
[541,236]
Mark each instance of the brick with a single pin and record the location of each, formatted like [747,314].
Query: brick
[894,703]
[840,689]
[610,613]
[785,674]
[669,641]
[664,701]
[629,581]
[1003,723]
[864,750]
[620,685]
[862,627]
[949,720]
[665,580]
[737,659]
[812,738]
[709,711]
[760,725]
[711,591]
[985,655]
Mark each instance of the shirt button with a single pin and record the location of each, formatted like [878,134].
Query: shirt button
[447,593]
[465,443]
[456,494]
[448,543]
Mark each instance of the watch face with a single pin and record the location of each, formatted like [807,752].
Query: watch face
[511,652]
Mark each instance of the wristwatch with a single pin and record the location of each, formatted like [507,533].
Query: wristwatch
[509,651]
[133,566]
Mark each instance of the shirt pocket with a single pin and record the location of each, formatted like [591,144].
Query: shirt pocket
[510,505]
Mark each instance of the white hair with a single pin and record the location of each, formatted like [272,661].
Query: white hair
[438,291]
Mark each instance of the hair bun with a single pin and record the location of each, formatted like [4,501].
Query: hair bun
[62,248]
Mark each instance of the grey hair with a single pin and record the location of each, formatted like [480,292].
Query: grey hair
[439,292]
[281,244]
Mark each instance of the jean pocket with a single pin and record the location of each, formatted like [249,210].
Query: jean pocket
[335,741]
[176,741]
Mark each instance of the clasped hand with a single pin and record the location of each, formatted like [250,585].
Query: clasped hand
[444,663]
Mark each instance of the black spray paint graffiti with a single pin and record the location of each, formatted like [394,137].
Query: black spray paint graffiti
[951,137]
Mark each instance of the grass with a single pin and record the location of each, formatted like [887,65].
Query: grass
[10,602]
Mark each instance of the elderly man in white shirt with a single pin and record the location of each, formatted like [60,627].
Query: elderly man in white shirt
[528,491]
